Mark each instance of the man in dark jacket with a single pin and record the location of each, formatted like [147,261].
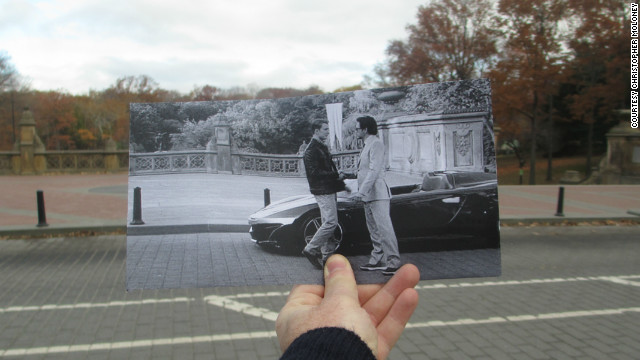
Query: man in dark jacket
[324,184]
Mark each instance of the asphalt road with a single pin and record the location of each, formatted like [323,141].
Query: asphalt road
[565,292]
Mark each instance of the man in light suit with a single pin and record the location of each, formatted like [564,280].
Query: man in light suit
[374,192]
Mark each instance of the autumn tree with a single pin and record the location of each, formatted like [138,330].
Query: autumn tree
[204,93]
[530,66]
[127,90]
[453,40]
[96,119]
[277,93]
[9,84]
[56,119]
[600,46]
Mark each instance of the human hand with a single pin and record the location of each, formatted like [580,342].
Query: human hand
[376,313]
[357,196]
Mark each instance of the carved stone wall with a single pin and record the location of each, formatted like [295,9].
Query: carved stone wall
[622,163]
[435,142]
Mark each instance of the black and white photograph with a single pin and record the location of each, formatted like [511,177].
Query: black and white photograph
[263,191]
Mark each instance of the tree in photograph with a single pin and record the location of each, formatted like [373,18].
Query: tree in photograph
[453,40]
[601,48]
[134,89]
[529,69]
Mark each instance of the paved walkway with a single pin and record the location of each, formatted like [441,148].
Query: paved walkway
[223,202]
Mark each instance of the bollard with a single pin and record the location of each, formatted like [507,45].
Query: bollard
[137,207]
[521,173]
[560,202]
[42,215]
[267,197]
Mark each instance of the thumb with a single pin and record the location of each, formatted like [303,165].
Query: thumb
[339,279]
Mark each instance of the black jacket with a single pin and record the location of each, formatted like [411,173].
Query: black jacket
[322,173]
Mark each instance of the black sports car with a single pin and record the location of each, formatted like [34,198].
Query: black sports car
[448,211]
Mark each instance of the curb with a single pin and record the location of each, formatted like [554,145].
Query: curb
[64,231]
[141,230]
[561,221]
[186,229]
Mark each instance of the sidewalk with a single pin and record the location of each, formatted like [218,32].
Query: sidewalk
[206,202]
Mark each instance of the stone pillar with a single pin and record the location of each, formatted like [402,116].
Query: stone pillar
[32,159]
[111,162]
[423,143]
[389,100]
[223,145]
[211,157]
[622,164]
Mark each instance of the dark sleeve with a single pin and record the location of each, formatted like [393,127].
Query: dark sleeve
[314,166]
[350,175]
[328,343]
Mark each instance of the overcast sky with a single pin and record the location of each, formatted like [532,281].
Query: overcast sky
[78,45]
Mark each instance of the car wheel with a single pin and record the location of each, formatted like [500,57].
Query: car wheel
[311,226]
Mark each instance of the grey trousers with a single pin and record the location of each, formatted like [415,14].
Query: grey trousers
[323,242]
[383,237]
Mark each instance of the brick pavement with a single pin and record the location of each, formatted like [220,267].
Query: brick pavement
[223,259]
[94,202]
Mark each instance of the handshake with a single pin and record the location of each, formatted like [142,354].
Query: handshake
[356,196]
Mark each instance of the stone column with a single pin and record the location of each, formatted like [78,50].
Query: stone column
[31,148]
[223,145]
[111,162]
[622,164]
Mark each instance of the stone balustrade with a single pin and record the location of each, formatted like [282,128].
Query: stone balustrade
[205,161]
[31,158]
[70,161]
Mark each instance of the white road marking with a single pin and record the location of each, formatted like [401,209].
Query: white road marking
[136,343]
[521,318]
[227,303]
[616,279]
[252,295]
[269,334]
[621,280]
[93,305]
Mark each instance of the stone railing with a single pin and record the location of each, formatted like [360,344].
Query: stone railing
[197,161]
[69,161]
[7,159]
[276,165]
[172,162]
[205,161]
[86,160]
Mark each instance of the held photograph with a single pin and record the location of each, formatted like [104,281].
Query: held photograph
[263,191]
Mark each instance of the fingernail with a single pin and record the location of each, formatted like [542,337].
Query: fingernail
[335,265]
